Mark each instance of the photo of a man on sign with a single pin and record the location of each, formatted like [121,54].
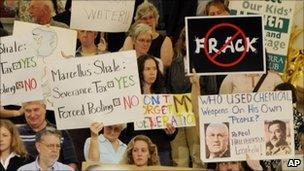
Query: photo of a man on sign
[217,140]
[277,133]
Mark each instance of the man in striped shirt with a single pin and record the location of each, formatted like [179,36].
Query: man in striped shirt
[35,112]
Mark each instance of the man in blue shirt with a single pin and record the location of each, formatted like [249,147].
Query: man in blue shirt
[48,144]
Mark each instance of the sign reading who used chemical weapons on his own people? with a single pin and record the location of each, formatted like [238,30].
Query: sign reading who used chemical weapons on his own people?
[102,88]
[235,125]
[19,79]
[160,109]
[278,19]
[225,45]
[105,16]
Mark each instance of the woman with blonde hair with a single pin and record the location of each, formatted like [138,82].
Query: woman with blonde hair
[141,152]
[12,151]
[161,45]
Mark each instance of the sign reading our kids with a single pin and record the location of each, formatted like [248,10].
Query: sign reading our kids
[278,19]
[160,109]
[19,78]
[259,125]
[226,44]
[102,88]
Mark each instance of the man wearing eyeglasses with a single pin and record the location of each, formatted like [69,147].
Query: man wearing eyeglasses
[48,145]
[35,113]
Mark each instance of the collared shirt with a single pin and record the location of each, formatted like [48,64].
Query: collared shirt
[107,154]
[34,166]
[67,152]
[5,162]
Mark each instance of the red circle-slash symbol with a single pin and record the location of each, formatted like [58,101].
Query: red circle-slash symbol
[213,58]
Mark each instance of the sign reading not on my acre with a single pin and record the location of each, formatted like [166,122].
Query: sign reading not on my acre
[225,44]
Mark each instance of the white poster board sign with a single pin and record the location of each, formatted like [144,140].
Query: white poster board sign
[278,20]
[102,88]
[160,109]
[19,72]
[51,44]
[105,16]
[257,124]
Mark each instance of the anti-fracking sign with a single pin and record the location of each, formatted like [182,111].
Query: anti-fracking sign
[225,44]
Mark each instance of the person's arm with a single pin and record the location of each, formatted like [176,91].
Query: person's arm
[5,113]
[170,131]
[94,154]
[195,93]
[128,44]
[166,52]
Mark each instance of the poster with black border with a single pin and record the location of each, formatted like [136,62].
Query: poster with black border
[219,45]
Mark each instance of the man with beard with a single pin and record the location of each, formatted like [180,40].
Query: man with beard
[48,144]
[277,144]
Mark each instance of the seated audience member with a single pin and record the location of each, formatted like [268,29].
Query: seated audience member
[141,152]
[12,151]
[48,144]
[87,41]
[229,166]
[41,12]
[34,112]
[151,83]
[142,38]
[161,45]
[21,8]
[105,148]
[215,8]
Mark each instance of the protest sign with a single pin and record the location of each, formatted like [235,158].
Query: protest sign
[278,19]
[160,109]
[51,44]
[225,44]
[102,88]
[257,124]
[19,72]
[105,16]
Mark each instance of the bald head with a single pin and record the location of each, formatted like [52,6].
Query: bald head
[217,138]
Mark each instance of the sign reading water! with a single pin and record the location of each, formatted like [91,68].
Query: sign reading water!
[19,78]
[102,88]
[257,124]
[106,16]
[160,109]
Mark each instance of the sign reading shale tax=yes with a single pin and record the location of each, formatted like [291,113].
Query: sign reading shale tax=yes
[225,44]
[19,79]
[102,88]
[106,16]
[257,124]
[160,109]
